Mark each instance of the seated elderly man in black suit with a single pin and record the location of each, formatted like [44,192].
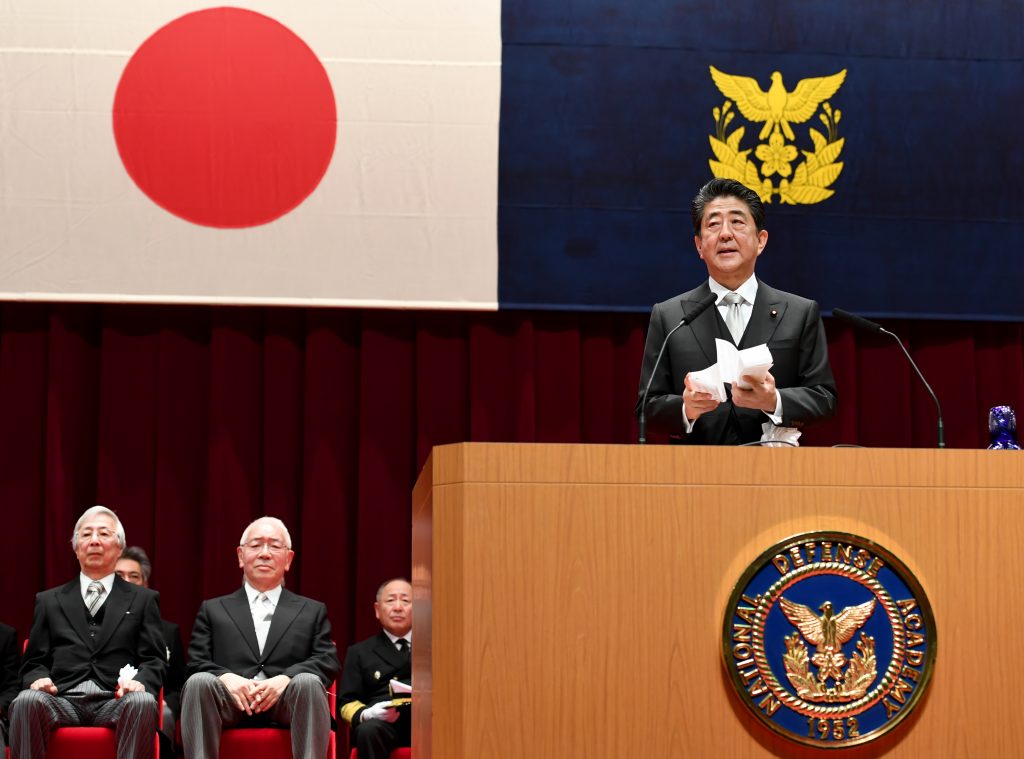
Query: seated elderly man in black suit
[83,634]
[260,655]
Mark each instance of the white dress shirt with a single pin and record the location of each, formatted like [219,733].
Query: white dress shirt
[394,639]
[259,611]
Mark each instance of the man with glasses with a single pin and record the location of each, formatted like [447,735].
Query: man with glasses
[261,655]
[135,567]
[83,634]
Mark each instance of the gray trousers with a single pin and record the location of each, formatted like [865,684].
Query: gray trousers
[35,714]
[207,708]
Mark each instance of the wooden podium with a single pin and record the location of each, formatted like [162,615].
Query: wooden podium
[568,599]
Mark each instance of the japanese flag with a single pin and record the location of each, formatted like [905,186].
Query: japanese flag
[334,152]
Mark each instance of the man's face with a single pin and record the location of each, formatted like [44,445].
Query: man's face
[98,548]
[729,242]
[131,571]
[265,556]
[394,609]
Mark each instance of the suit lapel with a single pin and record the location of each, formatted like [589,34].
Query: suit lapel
[704,329]
[762,324]
[288,607]
[116,607]
[237,607]
[71,603]
[387,651]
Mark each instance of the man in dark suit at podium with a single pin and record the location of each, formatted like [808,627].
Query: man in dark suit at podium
[82,635]
[729,233]
[260,655]
[366,700]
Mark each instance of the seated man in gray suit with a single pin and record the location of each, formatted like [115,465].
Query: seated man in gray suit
[260,655]
[83,633]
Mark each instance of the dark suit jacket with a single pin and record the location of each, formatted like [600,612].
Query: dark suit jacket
[9,658]
[794,335]
[60,647]
[175,679]
[369,667]
[299,639]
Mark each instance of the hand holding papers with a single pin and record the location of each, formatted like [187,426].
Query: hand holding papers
[731,366]
[735,364]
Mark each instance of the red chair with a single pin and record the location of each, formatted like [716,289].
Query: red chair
[92,742]
[269,742]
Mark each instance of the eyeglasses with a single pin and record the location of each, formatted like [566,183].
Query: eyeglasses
[102,534]
[274,546]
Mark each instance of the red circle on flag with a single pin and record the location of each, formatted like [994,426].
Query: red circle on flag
[225,118]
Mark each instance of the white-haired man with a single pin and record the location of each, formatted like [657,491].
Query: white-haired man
[260,655]
[83,633]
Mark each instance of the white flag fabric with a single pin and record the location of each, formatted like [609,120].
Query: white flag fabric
[308,153]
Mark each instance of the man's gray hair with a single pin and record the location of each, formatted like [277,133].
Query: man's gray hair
[136,553]
[91,512]
[273,520]
[384,584]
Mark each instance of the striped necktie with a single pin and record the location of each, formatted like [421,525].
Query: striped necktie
[93,595]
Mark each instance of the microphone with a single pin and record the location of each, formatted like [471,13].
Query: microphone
[870,326]
[858,321]
[700,308]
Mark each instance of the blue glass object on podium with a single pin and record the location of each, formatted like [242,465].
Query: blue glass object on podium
[1002,429]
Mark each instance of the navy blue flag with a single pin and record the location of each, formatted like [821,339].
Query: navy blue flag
[887,148]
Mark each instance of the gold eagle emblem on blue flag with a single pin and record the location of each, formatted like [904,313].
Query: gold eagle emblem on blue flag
[811,179]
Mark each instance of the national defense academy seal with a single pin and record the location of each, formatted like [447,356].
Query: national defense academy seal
[829,639]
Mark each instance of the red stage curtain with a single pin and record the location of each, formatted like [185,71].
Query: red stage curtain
[192,421]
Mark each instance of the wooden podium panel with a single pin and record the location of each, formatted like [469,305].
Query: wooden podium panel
[568,600]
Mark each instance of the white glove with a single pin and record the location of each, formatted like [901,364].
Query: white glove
[384,710]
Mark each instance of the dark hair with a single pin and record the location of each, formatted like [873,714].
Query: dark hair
[720,188]
[135,553]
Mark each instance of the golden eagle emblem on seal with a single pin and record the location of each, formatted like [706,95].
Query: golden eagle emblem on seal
[829,632]
[811,179]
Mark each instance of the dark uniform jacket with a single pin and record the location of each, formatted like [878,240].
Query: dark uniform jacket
[369,667]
